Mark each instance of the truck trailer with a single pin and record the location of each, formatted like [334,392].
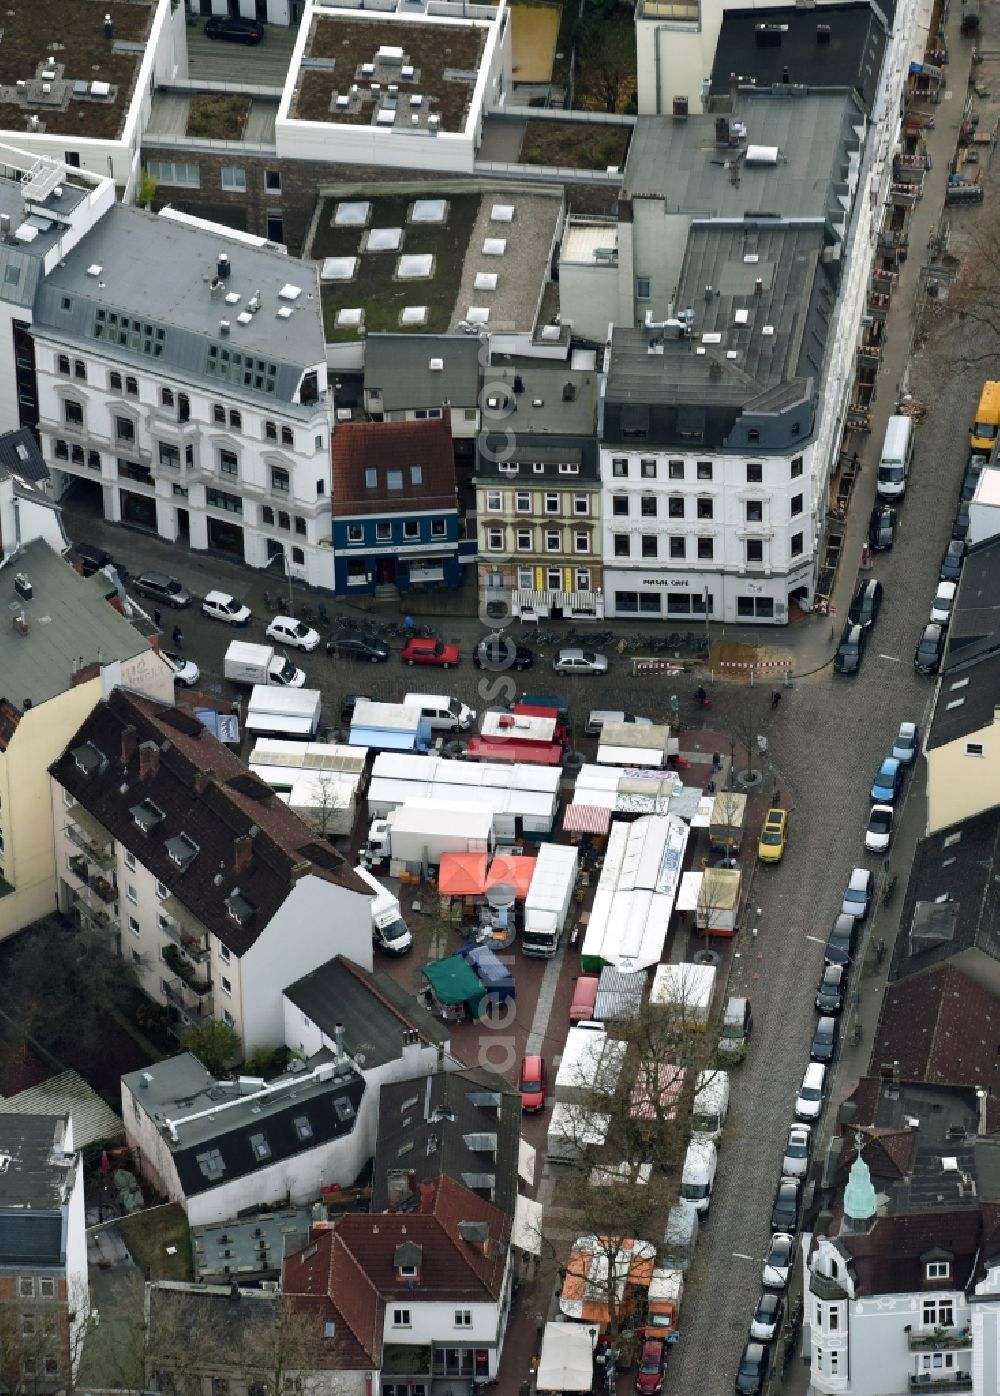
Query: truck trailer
[547,904]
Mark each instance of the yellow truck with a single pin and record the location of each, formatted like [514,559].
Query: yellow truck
[984,429]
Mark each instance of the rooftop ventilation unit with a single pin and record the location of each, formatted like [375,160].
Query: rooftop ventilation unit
[94,269]
[823,34]
[436,365]
[224,327]
[680,108]
[289,292]
[389,54]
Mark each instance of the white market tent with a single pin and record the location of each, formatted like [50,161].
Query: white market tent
[567,1359]
[635,896]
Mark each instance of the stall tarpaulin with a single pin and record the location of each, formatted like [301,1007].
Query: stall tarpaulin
[462,874]
[586,819]
[567,1358]
[527,1230]
[454,982]
[527,1157]
[512,871]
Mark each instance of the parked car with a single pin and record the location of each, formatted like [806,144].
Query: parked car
[159,586]
[830,994]
[944,600]
[851,649]
[809,1098]
[767,1316]
[532,1084]
[652,1364]
[930,650]
[798,1147]
[234,28]
[778,1261]
[751,1376]
[581,1008]
[823,1047]
[356,644]
[888,781]
[435,652]
[857,898]
[221,606]
[951,563]
[960,523]
[882,528]
[971,477]
[574,661]
[93,559]
[906,742]
[498,653]
[773,836]
[878,832]
[785,1210]
[286,630]
[347,706]
[186,671]
[866,603]
[839,949]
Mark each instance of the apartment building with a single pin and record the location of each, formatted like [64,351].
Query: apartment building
[216,894]
[63,649]
[181,375]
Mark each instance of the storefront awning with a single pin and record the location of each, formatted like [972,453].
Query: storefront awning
[586,819]
[526,1158]
[527,1230]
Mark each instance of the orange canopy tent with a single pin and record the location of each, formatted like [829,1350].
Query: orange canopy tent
[515,872]
[462,874]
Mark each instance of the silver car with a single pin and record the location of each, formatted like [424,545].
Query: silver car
[906,742]
[858,895]
[798,1147]
[575,661]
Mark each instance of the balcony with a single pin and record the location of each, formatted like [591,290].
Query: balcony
[938,1339]
[190,927]
[196,1008]
[952,1381]
[825,1287]
[192,983]
[91,838]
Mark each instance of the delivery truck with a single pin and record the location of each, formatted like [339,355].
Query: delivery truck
[416,834]
[258,664]
[389,727]
[547,904]
[389,931]
[284,712]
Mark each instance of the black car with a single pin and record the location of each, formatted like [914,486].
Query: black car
[951,563]
[848,658]
[785,1212]
[357,645]
[497,654]
[830,994]
[971,478]
[882,528]
[92,559]
[751,1378]
[960,526]
[930,649]
[824,1043]
[865,605]
[840,942]
[348,705]
[234,28]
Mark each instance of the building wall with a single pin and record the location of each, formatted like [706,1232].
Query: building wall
[433,1322]
[317,921]
[592,297]
[77,1284]
[291,509]
[363,542]
[673,55]
[23,520]
[960,784]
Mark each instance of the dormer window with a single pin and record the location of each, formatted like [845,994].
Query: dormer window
[407,1272]
[147,815]
[238,908]
[182,850]
[938,1269]
[90,760]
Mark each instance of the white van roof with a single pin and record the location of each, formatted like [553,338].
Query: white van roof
[427,700]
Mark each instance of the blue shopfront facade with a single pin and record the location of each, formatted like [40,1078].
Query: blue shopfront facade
[411,550]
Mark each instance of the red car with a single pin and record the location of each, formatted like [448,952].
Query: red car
[649,1378]
[584,1000]
[532,1085]
[430,652]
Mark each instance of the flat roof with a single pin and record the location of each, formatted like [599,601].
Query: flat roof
[358,57]
[140,287]
[585,241]
[37,1175]
[70,624]
[73,35]
[541,398]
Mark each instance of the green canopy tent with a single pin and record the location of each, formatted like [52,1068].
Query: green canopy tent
[456,987]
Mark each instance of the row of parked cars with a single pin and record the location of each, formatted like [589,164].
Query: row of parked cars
[930,647]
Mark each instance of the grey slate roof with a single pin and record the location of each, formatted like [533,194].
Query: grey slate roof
[157,273]
[399,366]
[974,630]
[678,161]
[373,1008]
[967,701]
[529,449]
[951,904]
[20,458]
[427,1126]
[841,46]
[70,625]
[67,1094]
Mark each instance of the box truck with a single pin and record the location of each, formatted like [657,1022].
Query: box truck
[284,712]
[418,833]
[546,906]
[896,458]
[389,931]
[389,727]
[246,663]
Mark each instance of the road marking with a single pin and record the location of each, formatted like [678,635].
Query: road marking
[817,939]
[738,1255]
[893,658]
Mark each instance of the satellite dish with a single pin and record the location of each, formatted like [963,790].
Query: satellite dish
[501,895]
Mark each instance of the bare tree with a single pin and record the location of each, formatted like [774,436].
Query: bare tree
[747,723]
[40,1342]
[976,295]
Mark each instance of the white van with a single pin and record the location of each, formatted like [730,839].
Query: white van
[896,458]
[443,713]
[711,1104]
[698,1177]
[599,719]
[809,1101]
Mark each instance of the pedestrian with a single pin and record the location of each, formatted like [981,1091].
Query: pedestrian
[775,698]
[156,618]
[178,637]
[408,626]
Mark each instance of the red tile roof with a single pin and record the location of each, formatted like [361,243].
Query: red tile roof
[384,446]
[942,1028]
[325,1268]
[886,1259]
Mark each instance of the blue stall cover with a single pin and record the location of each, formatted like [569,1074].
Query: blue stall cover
[494,976]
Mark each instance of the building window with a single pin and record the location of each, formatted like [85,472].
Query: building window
[73,414]
[60,450]
[975,749]
[553,541]
[411,530]
[80,370]
[130,861]
[647,469]
[704,470]
[26,1287]
[755,474]
[796,467]
[47,1289]
[169,455]
[755,511]
[622,548]
[394,479]
[234,180]
[183,407]
[284,520]
[166,397]
[522,502]
[494,539]
[581,542]
[706,549]
[649,545]
[62,364]
[271,431]
[675,506]
[219,499]
[125,430]
[355,533]
[162,891]
[383,533]
[93,460]
[235,420]
[753,434]
[525,578]
[619,505]
[463,1318]
[619,468]
[439,528]
[642,287]
[227,987]
[133,925]
[224,954]
[552,504]
[280,480]
[581,504]
[833,1318]
[416,474]
[553,578]
[218,413]
[229,463]
[272,181]
[227,1017]
[796,544]
[132,894]
[400,1318]
[675,469]
[678,547]
[174,172]
[706,508]
[755,550]
[938,1313]
[647,506]
[131,387]
[76,454]
[524,540]
[493,501]
[938,1269]
[796,505]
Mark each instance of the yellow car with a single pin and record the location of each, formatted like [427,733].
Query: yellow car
[773,836]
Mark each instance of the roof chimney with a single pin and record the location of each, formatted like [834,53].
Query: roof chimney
[201,779]
[242,852]
[149,760]
[223,268]
[426,1199]
[129,743]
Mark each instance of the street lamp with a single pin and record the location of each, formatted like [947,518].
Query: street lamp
[282,557]
[708,633]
